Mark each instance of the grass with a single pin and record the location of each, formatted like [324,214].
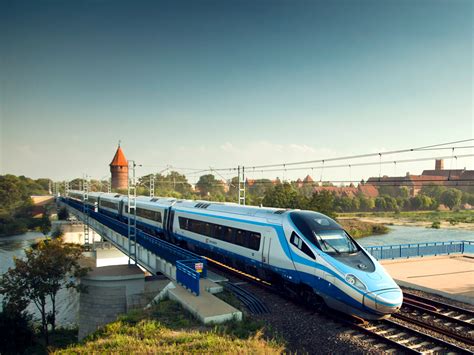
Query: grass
[359,229]
[167,328]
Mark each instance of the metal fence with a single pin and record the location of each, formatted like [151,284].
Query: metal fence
[188,276]
[421,249]
[190,268]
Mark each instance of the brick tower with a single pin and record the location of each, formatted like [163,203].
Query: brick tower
[119,170]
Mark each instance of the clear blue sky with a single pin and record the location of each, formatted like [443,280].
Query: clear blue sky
[199,83]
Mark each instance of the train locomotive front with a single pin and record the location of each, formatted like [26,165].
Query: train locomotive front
[338,269]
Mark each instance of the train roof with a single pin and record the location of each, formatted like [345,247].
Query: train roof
[153,201]
[219,207]
[233,208]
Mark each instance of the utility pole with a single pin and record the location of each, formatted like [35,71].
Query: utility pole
[85,198]
[152,185]
[241,173]
[132,213]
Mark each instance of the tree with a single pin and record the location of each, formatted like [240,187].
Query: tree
[390,203]
[16,332]
[284,196]
[63,214]
[48,267]
[323,202]
[209,185]
[451,198]
[433,191]
[380,203]
[366,203]
[45,225]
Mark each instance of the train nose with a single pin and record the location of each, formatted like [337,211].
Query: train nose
[384,301]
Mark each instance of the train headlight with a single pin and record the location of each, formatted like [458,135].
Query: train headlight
[351,279]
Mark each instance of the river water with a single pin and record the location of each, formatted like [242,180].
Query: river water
[67,300]
[404,235]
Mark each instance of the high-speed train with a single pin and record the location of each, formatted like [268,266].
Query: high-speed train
[304,252]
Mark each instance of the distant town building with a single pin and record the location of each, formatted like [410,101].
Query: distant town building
[119,170]
[350,191]
[252,182]
[452,178]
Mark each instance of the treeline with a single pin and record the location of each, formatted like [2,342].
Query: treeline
[292,195]
[16,204]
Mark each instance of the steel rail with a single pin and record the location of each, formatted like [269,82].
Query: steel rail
[439,304]
[434,328]
[431,338]
[437,314]
[254,304]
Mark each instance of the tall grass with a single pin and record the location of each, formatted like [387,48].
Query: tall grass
[167,328]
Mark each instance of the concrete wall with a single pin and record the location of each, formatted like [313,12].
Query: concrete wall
[100,306]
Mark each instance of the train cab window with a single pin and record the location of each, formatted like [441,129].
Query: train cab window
[301,245]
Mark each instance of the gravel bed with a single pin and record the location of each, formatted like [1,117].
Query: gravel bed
[435,334]
[430,321]
[304,331]
[308,332]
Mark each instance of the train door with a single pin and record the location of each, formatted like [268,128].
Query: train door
[165,223]
[266,244]
[171,221]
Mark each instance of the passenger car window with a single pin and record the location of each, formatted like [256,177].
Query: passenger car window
[301,245]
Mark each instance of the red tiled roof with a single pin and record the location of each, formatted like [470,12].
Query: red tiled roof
[119,158]
[308,179]
[340,191]
[369,190]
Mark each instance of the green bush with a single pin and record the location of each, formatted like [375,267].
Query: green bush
[16,333]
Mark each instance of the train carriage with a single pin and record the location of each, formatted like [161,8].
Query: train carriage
[304,252]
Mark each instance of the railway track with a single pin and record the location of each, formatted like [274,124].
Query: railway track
[253,303]
[451,321]
[390,336]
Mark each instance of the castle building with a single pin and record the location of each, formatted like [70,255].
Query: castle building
[119,170]
[462,179]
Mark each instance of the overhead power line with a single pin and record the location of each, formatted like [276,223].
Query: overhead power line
[359,155]
[361,164]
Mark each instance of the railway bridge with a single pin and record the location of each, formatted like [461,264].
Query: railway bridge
[152,254]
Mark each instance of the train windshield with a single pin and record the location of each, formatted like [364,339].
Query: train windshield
[323,232]
[335,241]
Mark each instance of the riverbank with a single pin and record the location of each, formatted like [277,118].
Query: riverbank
[462,220]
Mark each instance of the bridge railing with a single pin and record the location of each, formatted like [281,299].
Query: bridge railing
[420,249]
[164,249]
[188,275]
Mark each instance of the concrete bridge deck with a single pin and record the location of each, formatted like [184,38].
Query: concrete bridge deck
[448,276]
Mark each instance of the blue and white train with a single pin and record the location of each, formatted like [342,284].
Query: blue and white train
[306,253]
